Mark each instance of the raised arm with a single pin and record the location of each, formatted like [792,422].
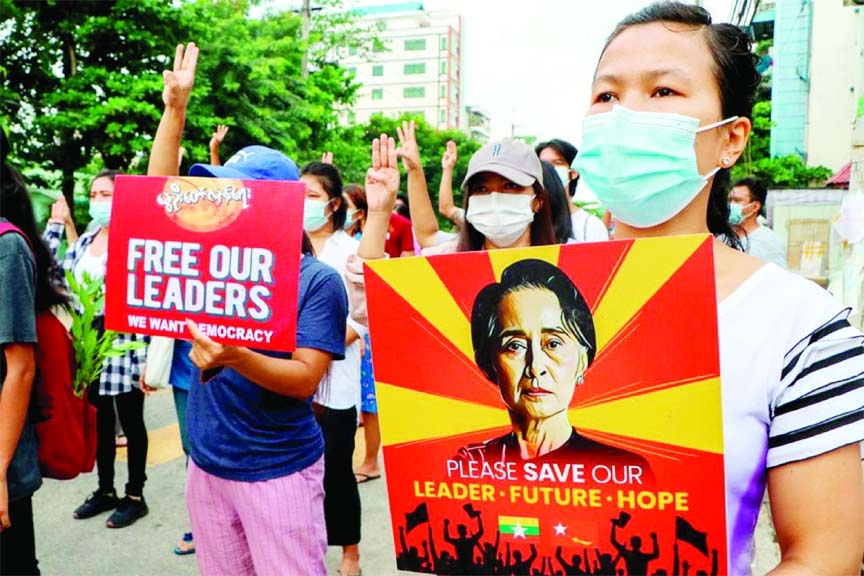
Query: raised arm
[615,542]
[656,552]
[61,214]
[382,185]
[446,205]
[164,156]
[216,142]
[402,541]
[559,555]
[816,505]
[447,537]
[423,218]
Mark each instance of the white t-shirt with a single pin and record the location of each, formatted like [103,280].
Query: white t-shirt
[764,244]
[340,389]
[789,361]
[92,265]
[588,228]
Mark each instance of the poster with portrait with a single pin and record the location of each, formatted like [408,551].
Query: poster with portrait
[223,253]
[552,410]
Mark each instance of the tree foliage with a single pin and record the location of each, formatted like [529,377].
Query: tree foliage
[781,172]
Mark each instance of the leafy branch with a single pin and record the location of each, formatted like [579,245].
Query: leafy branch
[91,348]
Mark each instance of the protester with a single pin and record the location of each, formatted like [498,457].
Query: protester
[560,153]
[255,480]
[506,205]
[355,210]
[25,289]
[746,205]
[119,383]
[324,219]
[671,102]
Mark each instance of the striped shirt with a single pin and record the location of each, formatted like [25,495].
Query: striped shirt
[792,371]
[121,373]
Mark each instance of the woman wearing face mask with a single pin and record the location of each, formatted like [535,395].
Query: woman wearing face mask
[506,206]
[119,383]
[670,115]
[324,218]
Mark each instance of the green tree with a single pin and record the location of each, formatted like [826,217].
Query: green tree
[81,78]
[351,147]
[781,172]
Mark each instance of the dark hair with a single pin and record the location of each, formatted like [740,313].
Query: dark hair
[306,245]
[16,207]
[758,193]
[558,203]
[529,274]
[542,231]
[105,173]
[331,181]
[403,209]
[737,79]
[357,194]
[567,151]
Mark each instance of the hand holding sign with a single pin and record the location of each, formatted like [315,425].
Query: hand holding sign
[382,179]
[179,82]
[207,354]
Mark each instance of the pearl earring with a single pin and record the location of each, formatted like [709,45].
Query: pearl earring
[726,161]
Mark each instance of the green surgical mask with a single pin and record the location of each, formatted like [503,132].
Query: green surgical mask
[100,212]
[314,216]
[349,219]
[642,165]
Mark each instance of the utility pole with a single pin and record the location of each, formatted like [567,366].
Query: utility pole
[304,35]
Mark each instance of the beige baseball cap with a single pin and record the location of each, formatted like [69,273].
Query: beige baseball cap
[512,159]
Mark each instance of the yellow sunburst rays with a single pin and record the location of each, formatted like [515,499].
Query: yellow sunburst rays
[687,415]
[650,262]
[501,259]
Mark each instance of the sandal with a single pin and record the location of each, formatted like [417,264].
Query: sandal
[185,546]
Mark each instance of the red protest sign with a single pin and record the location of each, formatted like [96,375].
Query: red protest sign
[224,253]
[562,414]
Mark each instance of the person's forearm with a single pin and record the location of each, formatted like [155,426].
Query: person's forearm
[214,156]
[446,204]
[374,236]
[288,377]
[423,218]
[166,144]
[71,232]
[14,401]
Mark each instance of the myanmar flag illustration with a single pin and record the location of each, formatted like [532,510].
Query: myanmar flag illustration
[646,440]
[518,526]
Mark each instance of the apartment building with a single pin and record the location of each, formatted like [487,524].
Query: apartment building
[418,71]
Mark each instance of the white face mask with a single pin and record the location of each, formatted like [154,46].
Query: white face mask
[502,218]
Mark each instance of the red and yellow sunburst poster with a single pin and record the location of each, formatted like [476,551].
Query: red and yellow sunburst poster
[552,410]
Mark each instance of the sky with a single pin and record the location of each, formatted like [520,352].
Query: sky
[531,63]
[528,64]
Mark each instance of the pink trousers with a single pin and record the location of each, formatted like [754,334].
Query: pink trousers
[263,528]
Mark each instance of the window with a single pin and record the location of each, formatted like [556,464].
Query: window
[352,51]
[414,92]
[443,91]
[415,44]
[444,43]
[352,70]
[415,68]
[443,67]
[377,93]
[352,117]
[378,70]
[443,116]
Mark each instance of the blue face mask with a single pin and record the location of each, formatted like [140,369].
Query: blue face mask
[100,212]
[642,165]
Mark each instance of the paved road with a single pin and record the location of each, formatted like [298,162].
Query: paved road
[78,547]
